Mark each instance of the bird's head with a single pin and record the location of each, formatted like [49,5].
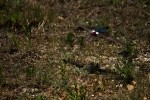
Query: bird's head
[94,33]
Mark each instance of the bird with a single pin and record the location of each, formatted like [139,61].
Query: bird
[99,31]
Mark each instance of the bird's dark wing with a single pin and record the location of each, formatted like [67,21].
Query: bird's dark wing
[83,28]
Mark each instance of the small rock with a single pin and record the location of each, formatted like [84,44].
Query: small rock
[24,90]
[92,95]
[133,82]
[60,18]
[130,87]
[144,98]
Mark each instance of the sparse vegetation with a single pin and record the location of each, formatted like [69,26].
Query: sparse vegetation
[1,75]
[76,92]
[43,56]
[82,41]
[114,2]
[30,71]
[70,39]
[127,69]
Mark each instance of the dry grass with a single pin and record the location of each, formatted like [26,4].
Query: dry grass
[37,63]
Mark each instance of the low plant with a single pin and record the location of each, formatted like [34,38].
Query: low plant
[148,39]
[74,92]
[114,2]
[15,45]
[26,28]
[30,71]
[63,73]
[2,4]
[77,93]
[14,17]
[14,13]
[99,85]
[1,74]
[40,97]
[127,69]
[81,41]
[129,52]
[51,16]
[15,41]
[37,13]
[70,39]
[43,77]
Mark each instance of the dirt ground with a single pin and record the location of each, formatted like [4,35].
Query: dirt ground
[37,63]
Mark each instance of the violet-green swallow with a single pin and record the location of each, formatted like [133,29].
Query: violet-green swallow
[103,32]
[100,31]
